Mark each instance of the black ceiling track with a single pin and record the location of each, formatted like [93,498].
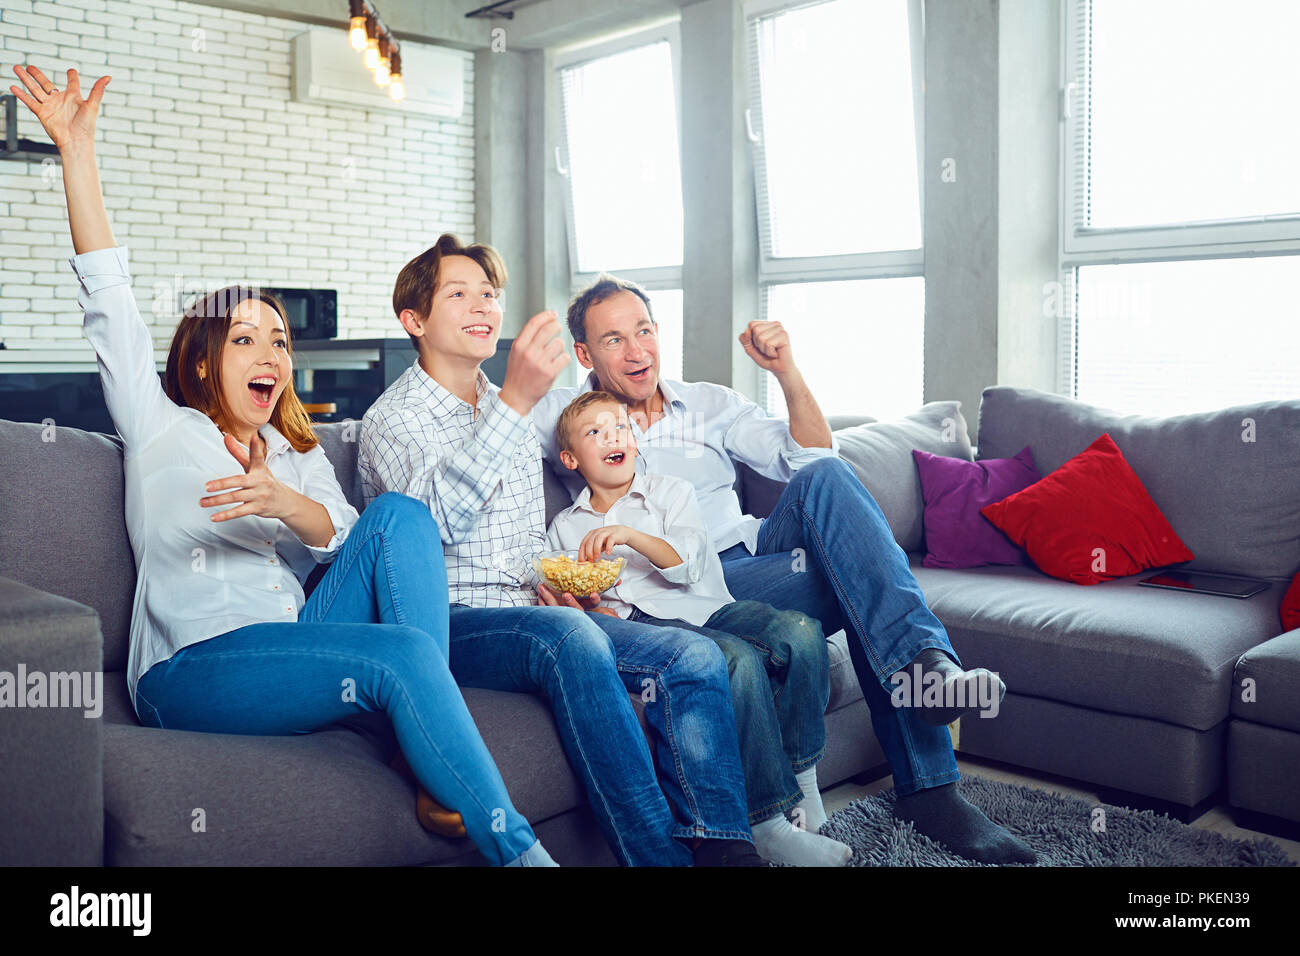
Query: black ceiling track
[493,10]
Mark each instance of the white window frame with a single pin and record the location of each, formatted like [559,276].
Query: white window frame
[774,270]
[652,279]
[1080,245]
[1085,245]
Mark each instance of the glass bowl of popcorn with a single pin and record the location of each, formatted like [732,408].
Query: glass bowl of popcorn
[561,571]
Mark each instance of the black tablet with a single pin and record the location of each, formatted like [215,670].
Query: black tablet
[1203,582]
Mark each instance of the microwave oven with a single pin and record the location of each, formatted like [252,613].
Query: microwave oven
[312,313]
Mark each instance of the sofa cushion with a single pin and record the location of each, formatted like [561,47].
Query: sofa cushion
[881,454]
[1291,605]
[339,441]
[1090,520]
[324,798]
[845,689]
[1274,670]
[956,534]
[1115,647]
[1228,481]
[63,523]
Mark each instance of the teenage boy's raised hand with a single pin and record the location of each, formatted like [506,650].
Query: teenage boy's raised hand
[535,359]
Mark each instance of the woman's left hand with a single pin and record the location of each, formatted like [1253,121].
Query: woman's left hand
[258,491]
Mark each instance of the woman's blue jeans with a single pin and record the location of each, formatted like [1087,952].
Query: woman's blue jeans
[372,637]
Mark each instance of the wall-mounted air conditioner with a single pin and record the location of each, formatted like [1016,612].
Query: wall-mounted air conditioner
[327,70]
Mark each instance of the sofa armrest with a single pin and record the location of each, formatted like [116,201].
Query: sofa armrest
[51,736]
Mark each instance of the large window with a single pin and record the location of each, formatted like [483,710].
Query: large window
[620,157]
[1181,213]
[834,119]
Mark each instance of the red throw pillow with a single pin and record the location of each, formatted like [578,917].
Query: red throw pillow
[1291,605]
[1090,520]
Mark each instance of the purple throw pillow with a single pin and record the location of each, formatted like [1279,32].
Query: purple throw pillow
[954,491]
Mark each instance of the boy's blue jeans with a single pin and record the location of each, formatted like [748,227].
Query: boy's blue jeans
[827,551]
[372,637]
[780,685]
[585,665]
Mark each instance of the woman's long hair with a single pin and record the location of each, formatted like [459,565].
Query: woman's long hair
[201,337]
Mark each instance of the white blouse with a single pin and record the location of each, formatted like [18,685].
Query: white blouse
[195,578]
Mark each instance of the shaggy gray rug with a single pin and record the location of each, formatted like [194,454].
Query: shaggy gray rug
[1062,830]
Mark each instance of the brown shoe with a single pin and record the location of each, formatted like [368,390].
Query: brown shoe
[433,816]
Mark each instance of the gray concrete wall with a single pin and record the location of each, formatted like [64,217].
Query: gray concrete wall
[961,201]
[501,131]
[1028,212]
[720,268]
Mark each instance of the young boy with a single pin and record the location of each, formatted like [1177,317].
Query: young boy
[673,577]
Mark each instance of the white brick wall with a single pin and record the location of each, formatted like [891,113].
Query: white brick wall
[213,175]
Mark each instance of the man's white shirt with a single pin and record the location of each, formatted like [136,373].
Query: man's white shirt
[704,426]
[665,507]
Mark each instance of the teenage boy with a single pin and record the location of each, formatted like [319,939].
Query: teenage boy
[443,434]
[856,577]
[673,577]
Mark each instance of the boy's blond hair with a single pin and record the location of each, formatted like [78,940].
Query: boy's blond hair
[576,408]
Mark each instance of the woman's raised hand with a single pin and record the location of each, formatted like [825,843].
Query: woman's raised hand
[69,120]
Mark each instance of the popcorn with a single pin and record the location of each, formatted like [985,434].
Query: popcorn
[580,578]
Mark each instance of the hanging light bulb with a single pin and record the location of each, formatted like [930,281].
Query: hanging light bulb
[396,88]
[372,43]
[382,75]
[357,25]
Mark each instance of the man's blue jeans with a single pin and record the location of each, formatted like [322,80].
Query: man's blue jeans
[585,665]
[780,685]
[827,551]
[372,637]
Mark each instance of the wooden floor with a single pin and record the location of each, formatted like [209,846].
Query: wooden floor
[1219,819]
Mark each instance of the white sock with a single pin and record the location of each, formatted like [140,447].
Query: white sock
[535,855]
[781,842]
[809,812]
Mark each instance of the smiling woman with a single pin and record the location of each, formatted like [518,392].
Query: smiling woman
[242,335]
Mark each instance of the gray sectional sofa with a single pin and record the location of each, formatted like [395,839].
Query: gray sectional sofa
[1133,690]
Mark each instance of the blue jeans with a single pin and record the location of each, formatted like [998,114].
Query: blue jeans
[372,637]
[780,685]
[585,665]
[827,551]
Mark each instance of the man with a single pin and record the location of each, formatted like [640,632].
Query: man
[856,576]
[441,433]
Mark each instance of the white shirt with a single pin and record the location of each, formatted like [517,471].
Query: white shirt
[704,426]
[195,578]
[481,477]
[665,507]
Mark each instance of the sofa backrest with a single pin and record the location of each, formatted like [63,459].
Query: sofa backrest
[63,525]
[1228,481]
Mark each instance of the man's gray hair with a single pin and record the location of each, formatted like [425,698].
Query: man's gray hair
[603,288]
